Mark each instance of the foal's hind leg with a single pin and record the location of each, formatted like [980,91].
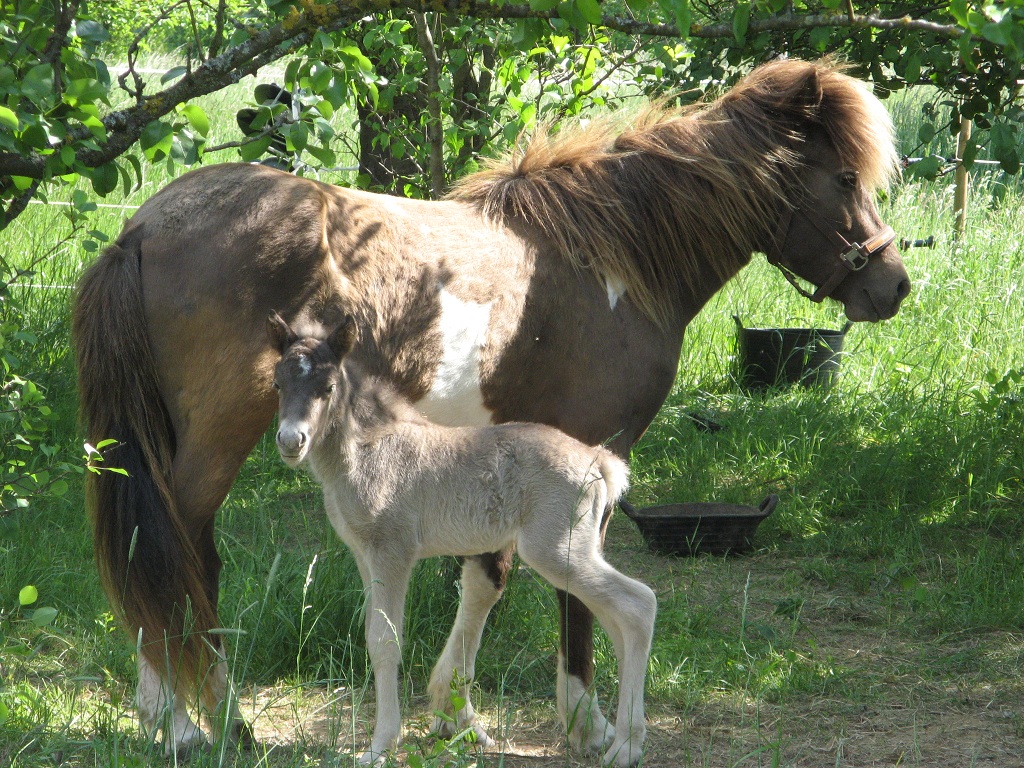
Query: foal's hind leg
[483,581]
[626,609]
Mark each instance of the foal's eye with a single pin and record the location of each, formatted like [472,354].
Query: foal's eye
[331,388]
[276,385]
[848,179]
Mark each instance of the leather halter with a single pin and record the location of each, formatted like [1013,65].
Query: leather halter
[852,257]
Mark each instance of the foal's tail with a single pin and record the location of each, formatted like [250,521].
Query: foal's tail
[615,479]
[146,558]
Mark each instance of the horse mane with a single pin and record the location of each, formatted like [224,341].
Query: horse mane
[681,191]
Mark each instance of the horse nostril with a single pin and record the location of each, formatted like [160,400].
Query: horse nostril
[903,289]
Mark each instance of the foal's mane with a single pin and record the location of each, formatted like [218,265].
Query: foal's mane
[681,192]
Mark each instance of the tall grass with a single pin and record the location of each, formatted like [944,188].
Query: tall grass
[900,490]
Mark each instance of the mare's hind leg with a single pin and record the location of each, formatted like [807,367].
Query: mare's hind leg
[204,469]
[160,709]
[576,702]
[483,581]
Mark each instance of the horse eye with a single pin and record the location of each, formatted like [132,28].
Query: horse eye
[848,179]
[276,385]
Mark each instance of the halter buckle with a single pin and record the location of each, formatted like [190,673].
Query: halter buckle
[855,257]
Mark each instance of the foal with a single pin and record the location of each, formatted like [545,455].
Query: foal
[399,488]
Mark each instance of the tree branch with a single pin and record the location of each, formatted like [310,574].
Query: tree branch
[124,127]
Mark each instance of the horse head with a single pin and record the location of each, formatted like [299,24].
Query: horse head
[309,380]
[833,237]
[843,150]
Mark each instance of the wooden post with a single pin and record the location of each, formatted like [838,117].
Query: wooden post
[960,194]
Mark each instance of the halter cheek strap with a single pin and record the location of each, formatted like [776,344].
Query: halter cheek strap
[852,257]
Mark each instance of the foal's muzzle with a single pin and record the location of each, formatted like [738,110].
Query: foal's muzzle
[292,444]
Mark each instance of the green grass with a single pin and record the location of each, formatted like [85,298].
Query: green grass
[887,581]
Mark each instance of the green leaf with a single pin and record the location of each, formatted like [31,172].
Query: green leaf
[43,617]
[156,140]
[680,9]
[4,712]
[197,118]
[28,595]
[958,9]
[104,179]
[254,150]
[926,167]
[925,133]
[741,21]
[590,10]
[8,119]
[173,74]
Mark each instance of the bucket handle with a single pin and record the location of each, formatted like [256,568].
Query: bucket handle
[846,326]
[769,504]
[628,508]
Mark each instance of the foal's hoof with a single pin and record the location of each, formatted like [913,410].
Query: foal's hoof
[446,729]
[372,758]
[625,753]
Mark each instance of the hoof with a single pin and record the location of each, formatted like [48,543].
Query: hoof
[192,751]
[625,753]
[372,758]
[592,738]
[241,735]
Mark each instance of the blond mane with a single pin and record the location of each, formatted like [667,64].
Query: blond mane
[680,191]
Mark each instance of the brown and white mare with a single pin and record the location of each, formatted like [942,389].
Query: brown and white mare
[554,287]
[399,488]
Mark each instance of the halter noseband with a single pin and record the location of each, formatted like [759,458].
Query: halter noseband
[852,257]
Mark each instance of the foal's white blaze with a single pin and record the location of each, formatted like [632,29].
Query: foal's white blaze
[455,397]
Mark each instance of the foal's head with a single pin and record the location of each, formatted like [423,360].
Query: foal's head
[308,378]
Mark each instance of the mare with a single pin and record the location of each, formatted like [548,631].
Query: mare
[553,286]
[399,488]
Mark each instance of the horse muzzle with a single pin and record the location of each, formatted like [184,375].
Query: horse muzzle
[292,444]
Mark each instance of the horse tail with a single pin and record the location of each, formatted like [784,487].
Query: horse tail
[147,561]
[614,481]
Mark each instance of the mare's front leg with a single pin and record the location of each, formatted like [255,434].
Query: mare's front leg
[388,574]
[483,581]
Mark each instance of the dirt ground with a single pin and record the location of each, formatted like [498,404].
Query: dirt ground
[965,709]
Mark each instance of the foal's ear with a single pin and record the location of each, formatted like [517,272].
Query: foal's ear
[281,336]
[343,338]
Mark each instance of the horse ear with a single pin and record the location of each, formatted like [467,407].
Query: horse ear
[281,336]
[343,338]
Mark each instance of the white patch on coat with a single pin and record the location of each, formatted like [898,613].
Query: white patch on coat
[455,397]
[616,289]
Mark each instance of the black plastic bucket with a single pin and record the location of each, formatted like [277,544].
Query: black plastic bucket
[780,357]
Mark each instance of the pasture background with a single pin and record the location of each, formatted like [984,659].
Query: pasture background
[879,622]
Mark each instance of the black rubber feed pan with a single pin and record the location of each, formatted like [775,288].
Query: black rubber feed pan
[695,528]
[779,357]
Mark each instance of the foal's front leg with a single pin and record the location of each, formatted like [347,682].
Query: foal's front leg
[387,587]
